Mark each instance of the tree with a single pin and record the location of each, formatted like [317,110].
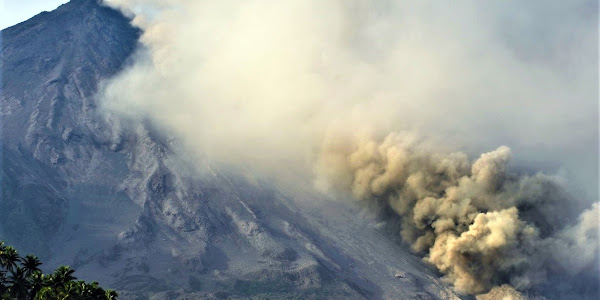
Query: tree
[3,282]
[9,258]
[21,278]
[18,284]
[62,276]
[37,281]
[111,295]
[31,264]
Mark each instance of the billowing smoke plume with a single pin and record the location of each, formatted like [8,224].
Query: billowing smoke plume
[277,86]
[478,223]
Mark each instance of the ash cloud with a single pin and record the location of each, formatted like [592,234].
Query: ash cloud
[479,223]
[315,87]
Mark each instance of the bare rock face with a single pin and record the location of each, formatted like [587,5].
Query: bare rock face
[120,202]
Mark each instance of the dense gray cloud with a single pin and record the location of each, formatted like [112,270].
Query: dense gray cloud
[309,87]
[478,223]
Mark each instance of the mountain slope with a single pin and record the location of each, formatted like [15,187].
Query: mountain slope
[118,199]
[51,135]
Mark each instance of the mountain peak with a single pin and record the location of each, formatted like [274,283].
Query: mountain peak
[77,9]
[76,34]
[55,60]
[89,5]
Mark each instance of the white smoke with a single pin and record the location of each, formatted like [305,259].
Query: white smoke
[285,87]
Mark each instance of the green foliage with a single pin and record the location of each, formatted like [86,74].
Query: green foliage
[22,279]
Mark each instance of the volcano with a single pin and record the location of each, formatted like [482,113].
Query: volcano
[121,202]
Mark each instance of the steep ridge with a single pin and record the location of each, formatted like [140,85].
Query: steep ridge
[118,200]
[51,66]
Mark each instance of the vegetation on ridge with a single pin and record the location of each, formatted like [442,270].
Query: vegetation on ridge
[21,278]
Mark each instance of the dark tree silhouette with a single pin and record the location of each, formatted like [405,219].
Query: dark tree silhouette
[37,281]
[22,279]
[9,258]
[18,284]
[31,264]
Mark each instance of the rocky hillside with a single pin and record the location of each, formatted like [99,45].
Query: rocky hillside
[118,200]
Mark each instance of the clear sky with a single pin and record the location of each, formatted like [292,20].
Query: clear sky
[16,11]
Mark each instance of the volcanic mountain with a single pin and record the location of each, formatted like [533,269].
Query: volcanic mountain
[119,200]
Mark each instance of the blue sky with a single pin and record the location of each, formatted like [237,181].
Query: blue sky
[16,11]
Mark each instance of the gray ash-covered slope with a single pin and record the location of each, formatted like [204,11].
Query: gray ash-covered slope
[116,200]
[53,141]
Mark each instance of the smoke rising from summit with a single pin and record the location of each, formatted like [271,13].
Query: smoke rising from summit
[314,87]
